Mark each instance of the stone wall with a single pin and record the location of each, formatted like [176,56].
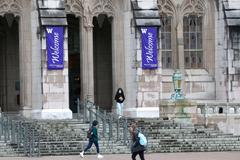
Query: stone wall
[130,62]
[220,116]
[36,52]
[142,86]
[55,86]
[227,54]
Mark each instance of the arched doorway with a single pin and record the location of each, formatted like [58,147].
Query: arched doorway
[102,58]
[9,64]
[74,62]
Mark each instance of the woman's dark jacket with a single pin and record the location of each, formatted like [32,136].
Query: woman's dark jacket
[94,136]
[137,147]
[118,95]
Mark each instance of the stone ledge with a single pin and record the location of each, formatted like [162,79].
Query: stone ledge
[51,114]
[143,112]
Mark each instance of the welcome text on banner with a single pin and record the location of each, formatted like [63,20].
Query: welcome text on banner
[55,48]
[149,48]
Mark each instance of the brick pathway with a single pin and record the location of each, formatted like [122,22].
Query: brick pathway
[162,156]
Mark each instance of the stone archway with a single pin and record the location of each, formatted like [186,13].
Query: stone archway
[21,10]
[9,65]
[86,10]
[114,9]
[102,55]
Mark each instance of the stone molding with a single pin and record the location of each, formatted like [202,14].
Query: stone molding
[196,7]
[166,7]
[87,10]
[74,7]
[11,6]
[104,7]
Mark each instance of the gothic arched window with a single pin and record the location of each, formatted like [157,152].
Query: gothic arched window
[193,41]
[166,39]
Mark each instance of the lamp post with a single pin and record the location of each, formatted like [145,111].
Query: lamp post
[177,84]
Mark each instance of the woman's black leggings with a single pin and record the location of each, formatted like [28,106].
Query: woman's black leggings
[141,155]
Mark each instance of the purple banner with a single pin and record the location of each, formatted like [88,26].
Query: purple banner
[55,48]
[149,48]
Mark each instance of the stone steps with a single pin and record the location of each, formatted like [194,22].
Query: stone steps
[68,137]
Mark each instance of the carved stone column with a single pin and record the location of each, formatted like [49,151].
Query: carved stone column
[87,52]
[25,66]
[90,71]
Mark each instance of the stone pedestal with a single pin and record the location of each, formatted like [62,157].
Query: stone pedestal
[181,111]
[51,114]
[25,111]
[141,112]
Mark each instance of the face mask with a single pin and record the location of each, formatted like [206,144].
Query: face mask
[119,91]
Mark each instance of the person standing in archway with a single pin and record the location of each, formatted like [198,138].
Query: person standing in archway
[119,97]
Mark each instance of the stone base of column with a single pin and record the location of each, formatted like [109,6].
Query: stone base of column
[147,112]
[90,97]
[181,111]
[25,111]
[51,114]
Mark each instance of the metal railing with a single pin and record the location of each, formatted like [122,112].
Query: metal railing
[89,110]
[18,133]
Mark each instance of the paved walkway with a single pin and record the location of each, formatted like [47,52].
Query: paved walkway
[162,156]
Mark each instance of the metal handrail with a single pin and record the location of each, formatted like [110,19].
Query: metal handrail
[106,118]
[18,133]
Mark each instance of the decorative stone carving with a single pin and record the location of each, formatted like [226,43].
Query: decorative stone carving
[104,7]
[195,7]
[9,1]
[11,6]
[74,7]
[88,9]
[81,8]
[166,7]
[4,7]
[15,8]
[87,16]
[161,2]
[193,2]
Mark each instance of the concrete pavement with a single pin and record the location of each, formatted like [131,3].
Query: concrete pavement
[160,156]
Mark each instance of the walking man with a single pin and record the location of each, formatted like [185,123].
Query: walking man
[93,139]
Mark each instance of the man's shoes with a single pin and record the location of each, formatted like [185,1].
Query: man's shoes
[81,155]
[100,156]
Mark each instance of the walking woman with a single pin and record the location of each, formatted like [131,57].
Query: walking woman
[137,148]
[119,97]
[92,140]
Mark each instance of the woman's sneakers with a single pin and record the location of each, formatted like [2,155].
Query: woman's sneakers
[81,155]
[100,156]
[119,117]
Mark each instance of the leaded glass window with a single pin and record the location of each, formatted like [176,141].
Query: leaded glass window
[193,41]
[166,39]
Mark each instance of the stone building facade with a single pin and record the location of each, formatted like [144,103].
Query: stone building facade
[102,52]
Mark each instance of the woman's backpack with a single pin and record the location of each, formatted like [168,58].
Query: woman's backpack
[142,139]
[90,132]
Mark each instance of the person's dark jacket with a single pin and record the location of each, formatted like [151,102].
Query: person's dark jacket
[118,95]
[137,147]
[94,136]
